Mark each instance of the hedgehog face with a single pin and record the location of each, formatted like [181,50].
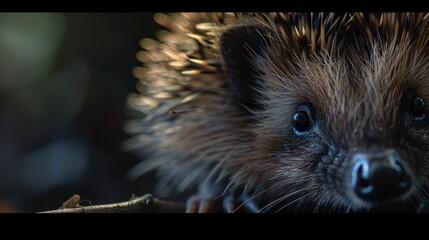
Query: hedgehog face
[362,138]
[347,129]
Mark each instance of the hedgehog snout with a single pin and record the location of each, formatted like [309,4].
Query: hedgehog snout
[379,177]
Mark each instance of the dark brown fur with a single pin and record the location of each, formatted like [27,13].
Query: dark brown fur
[354,69]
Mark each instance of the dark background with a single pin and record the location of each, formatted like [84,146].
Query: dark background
[64,79]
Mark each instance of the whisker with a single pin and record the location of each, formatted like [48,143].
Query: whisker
[274,202]
[417,202]
[348,209]
[230,189]
[317,207]
[288,204]
[254,196]
[421,204]
[246,186]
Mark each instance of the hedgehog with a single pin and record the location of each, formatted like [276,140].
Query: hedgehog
[286,112]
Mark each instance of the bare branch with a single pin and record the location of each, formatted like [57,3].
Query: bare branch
[144,204]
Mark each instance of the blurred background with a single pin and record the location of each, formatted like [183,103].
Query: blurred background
[64,79]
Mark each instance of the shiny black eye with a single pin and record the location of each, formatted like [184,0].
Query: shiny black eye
[416,109]
[302,121]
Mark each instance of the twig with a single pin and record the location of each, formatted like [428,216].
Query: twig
[144,204]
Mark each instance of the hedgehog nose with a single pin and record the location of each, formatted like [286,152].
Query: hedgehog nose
[380,176]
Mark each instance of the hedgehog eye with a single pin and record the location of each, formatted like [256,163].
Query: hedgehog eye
[416,109]
[302,121]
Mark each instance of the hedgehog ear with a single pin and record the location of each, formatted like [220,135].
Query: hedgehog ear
[239,47]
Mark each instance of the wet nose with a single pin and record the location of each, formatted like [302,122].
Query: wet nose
[380,176]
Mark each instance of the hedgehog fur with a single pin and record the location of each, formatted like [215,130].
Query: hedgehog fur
[218,92]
